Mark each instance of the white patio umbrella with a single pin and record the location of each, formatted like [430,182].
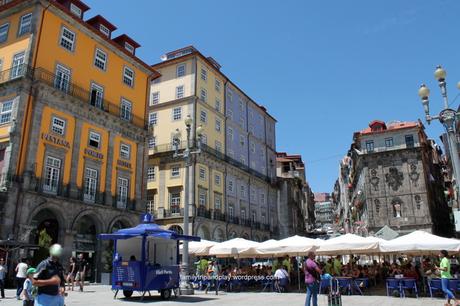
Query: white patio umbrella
[237,247]
[420,243]
[350,244]
[199,248]
[293,246]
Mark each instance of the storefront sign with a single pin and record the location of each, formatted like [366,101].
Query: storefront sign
[56,140]
[93,153]
[124,164]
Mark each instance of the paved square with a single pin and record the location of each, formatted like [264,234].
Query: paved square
[102,295]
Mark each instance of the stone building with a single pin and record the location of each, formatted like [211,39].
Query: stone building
[324,210]
[233,190]
[395,179]
[72,157]
[292,195]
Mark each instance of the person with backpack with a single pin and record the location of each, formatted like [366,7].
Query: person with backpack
[28,291]
[312,279]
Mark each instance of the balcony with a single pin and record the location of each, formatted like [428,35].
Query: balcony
[218,215]
[71,89]
[201,211]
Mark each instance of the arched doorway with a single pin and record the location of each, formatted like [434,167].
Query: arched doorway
[85,242]
[177,229]
[218,235]
[232,235]
[203,232]
[47,228]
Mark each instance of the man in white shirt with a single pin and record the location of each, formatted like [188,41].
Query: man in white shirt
[21,275]
[282,278]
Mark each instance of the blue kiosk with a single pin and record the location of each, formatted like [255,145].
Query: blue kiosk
[146,257]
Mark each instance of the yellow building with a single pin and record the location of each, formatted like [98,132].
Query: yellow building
[193,85]
[72,124]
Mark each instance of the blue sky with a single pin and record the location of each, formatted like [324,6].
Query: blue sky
[324,69]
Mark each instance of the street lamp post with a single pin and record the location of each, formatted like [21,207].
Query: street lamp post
[448,117]
[185,285]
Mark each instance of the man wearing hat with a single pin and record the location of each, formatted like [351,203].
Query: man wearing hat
[28,288]
[50,279]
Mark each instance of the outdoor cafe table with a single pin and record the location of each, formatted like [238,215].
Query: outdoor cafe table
[352,282]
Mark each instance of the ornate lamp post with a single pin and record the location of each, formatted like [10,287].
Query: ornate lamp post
[448,117]
[186,287]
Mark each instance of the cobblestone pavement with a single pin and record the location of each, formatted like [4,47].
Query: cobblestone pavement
[102,295]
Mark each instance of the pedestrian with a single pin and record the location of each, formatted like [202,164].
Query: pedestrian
[312,279]
[28,293]
[50,279]
[281,279]
[444,268]
[21,274]
[71,273]
[213,274]
[3,270]
[81,271]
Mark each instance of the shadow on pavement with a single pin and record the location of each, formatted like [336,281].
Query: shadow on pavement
[157,298]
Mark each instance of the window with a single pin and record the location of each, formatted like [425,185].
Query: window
[230,133]
[153,119]
[217,85]
[203,116]
[254,217]
[253,148]
[204,139]
[122,192]
[128,76]
[174,202]
[129,48]
[104,30]
[409,141]
[262,198]
[100,59]
[204,74]
[242,191]
[150,174]
[150,203]
[243,160]
[230,186]
[180,92]
[202,198]
[217,106]
[17,66]
[253,195]
[217,179]
[89,191]
[180,70]
[177,113]
[218,146]
[67,39]
[125,151]
[155,98]
[5,111]
[202,173]
[389,142]
[94,140]
[218,125]
[240,103]
[62,78]
[58,126]
[126,107]
[242,140]
[217,202]
[26,24]
[243,215]
[230,114]
[253,164]
[370,146]
[4,32]
[231,153]
[97,95]
[75,10]
[204,95]
[242,121]
[175,171]
[230,212]
[52,172]
[229,96]
[152,142]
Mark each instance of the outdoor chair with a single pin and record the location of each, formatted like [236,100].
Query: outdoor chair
[393,284]
[362,282]
[434,285]
[454,285]
[267,284]
[345,283]
[324,285]
[409,284]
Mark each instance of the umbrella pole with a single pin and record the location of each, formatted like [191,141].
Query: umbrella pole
[298,272]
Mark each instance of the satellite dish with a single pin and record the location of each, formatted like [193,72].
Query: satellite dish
[163,57]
